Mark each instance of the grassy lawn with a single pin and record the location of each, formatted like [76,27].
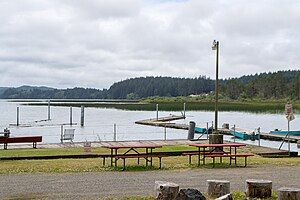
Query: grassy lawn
[95,164]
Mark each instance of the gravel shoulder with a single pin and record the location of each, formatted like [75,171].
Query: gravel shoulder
[117,184]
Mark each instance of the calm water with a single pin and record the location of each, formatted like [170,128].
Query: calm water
[99,123]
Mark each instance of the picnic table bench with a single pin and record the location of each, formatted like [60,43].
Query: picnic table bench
[135,152]
[217,151]
[28,139]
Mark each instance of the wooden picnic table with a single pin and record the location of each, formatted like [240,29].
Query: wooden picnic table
[217,150]
[135,150]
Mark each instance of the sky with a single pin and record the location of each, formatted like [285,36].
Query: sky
[94,43]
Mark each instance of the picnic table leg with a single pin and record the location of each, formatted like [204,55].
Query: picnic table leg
[116,160]
[245,161]
[111,157]
[198,156]
[235,156]
[213,161]
[190,159]
[159,162]
[230,156]
[204,156]
[5,146]
[103,161]
[146,157]
[151,149]
[123,164]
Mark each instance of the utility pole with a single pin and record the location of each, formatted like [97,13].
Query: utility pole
[216,47]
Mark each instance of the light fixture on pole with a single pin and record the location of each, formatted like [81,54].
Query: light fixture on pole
[215,46]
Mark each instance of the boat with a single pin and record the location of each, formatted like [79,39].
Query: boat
[280,132]
[200,130]
[244,134]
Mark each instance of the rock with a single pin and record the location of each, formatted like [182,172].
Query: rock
[225,197]
[258,188]
[286,193]
[190,194]
[218,188]
[166,190]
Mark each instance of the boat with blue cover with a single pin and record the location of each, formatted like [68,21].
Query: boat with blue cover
[244,134]
[280,132]
[200,130]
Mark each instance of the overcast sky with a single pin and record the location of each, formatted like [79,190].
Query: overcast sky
[94,43]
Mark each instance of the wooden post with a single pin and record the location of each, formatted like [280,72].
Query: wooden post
[18,116]
[71,116]
[258,188]
[218,188]
[82,116]
[166,190]
[115,132]
[286,193]
[165,133]
[49,117]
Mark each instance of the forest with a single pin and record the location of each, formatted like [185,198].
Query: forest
[272,85]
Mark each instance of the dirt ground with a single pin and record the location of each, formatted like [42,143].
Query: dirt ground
[117,184]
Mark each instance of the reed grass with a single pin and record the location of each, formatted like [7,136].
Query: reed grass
[176,104]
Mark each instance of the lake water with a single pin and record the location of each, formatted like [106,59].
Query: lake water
[99,123]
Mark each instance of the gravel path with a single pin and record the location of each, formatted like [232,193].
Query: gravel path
[104,184]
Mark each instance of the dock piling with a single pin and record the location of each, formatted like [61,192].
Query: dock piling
[18,116]
[115,132]
[184,110]
[207,130]
[71,116]
[61,133]
[49,117]
[258,130]
[165,133]
[156,111]
[234,133]
[82,116]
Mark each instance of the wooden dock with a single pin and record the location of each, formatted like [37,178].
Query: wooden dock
[164,122]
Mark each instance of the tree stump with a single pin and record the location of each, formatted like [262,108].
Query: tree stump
[218,188]
[216,139]
[286,193]
[258,188]
[166,190]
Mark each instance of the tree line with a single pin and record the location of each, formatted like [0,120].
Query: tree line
[277,85]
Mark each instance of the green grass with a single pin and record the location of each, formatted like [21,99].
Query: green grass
[95,164]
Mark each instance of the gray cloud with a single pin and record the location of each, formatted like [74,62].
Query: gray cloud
[93,43]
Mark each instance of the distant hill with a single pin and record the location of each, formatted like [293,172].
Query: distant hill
[276,85]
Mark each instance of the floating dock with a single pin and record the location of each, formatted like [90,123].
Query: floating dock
[166,122]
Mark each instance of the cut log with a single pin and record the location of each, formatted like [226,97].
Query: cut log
[286,193]
[166,190]
[258,188]
[218,188]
